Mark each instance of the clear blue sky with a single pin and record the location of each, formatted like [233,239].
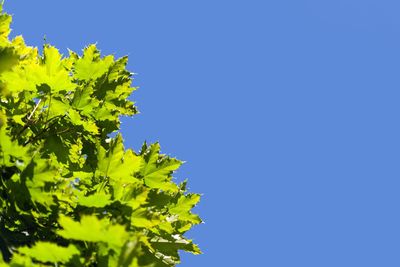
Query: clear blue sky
[287,113]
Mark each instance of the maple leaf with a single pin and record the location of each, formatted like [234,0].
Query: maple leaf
[70,195]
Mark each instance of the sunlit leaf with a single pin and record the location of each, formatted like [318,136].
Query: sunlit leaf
[50,252]
[70,193]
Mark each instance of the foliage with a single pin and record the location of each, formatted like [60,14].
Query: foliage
[69,193]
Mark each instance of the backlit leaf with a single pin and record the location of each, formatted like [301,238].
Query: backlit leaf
[50,252]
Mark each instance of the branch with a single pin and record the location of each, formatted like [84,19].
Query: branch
[29,118]
[42,132]
[34,109]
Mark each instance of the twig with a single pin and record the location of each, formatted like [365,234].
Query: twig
[34,109]
[41,132]
[29,118]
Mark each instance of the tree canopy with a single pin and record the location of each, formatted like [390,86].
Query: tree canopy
[70,193]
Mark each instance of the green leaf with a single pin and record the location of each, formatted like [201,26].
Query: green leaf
[99,200]
[120,208]
[177,242]
[91,66]
[142,218]
[5,21]
[87,124]
[92,229]
[109,162]
[158,169]
[52,71]
[10,148]
[9,58]
[49,71]
[184,205]
[50,252]
[85,102]
[43,170]
[57,108]
[118,164]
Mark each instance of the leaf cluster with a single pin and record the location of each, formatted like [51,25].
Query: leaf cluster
[71,195]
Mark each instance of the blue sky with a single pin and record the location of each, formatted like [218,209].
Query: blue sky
[287,113]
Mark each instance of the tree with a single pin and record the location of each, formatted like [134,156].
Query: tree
[71,195]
